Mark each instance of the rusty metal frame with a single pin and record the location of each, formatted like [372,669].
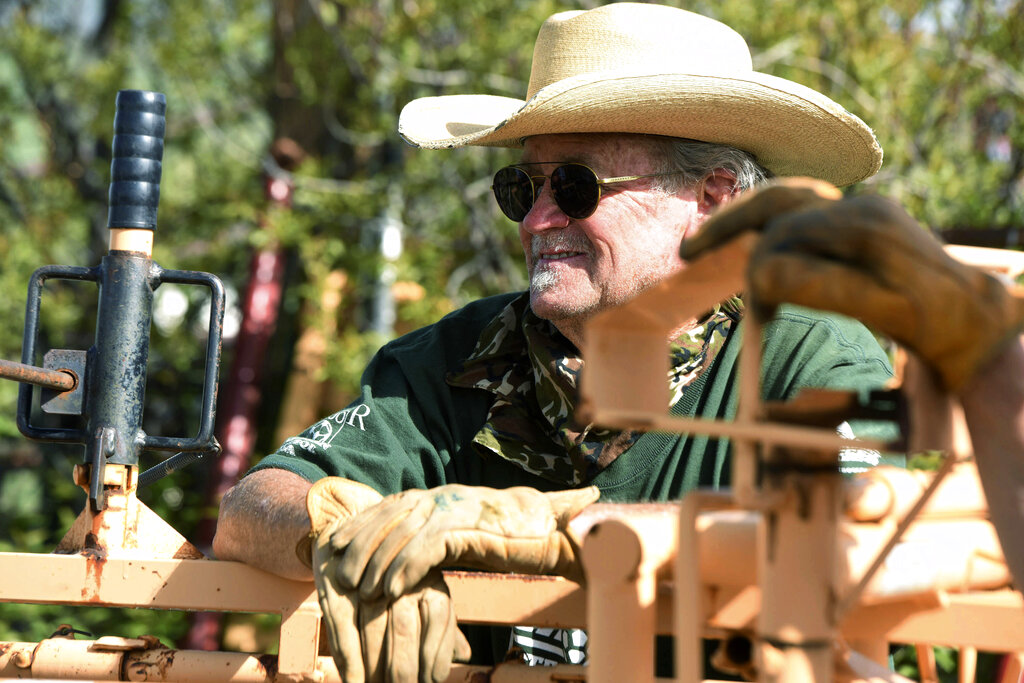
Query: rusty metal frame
[795,612]
[696,569]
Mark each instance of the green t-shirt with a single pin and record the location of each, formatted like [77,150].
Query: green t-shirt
[410,429]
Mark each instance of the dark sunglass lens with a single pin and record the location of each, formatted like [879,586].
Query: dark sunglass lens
[576,190]
[514,192]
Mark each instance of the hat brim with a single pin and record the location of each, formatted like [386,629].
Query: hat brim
[790,129]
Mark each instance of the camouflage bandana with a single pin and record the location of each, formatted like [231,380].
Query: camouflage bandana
[533,371]
[695,349]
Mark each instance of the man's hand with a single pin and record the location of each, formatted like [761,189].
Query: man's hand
[413,637]
[393,546]
[867,258]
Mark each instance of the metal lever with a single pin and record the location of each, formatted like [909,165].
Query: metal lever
[57,380]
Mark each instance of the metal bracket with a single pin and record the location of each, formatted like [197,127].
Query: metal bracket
[69,402]
[108,443]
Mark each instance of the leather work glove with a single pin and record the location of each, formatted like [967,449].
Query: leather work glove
[413,637]
[397,543]
[865,257]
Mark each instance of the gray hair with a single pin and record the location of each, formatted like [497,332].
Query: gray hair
[695,160]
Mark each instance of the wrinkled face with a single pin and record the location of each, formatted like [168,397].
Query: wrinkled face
[631,242]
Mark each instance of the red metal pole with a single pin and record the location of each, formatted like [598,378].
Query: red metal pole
[241,397]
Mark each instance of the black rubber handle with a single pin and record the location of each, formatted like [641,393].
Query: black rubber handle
[138,148]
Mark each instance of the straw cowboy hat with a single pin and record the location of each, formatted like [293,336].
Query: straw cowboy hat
[637,68]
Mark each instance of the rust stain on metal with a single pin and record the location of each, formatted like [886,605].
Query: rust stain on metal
[164,660]
[531,578]
[268,665]
[156,663]
[92,539]
[93,550]
[152,642]
[23,659]
[95,558]
[131,539]
[59,380]
[498,577]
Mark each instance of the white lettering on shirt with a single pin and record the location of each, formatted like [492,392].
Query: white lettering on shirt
[359,412]
[324,432]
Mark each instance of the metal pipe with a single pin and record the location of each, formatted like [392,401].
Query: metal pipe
[117,372]
[135,660]
[58,380]
[118,360]
[112,661]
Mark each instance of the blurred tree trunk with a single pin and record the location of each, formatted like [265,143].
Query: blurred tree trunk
[295,130]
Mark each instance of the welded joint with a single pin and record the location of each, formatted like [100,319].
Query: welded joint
[24,658]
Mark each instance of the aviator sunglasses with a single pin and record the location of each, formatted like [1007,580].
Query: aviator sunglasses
[575,187]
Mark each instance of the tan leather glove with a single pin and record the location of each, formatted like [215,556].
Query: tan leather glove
[397,543]
[413,637]
[867,258]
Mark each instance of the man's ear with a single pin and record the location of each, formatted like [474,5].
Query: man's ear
[716,189]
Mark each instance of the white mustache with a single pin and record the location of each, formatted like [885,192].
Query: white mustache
[562,242]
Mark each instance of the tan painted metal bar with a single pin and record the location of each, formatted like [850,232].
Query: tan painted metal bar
[140,582]
[61,659]
[132,239]
[300,638]
[991,621]
[138,660]
[796,551]
[749,410]
[229,586]
[874,649]
[934,555]
[851,598]
[545,601]
[988,621]
[1006,261]
[765,433]
[197,666]
[689,616]
[967,665]
[1013,668]
[210,585]
[926,666]
[887,492]
[622,560]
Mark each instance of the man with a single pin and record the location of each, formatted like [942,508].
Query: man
[640,122]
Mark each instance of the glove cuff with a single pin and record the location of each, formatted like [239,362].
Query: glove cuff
[329,501]
[566,505]
[1001,318]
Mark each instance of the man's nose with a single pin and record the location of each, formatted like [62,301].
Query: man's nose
[544,214]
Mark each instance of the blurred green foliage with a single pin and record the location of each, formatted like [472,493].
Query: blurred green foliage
[939,81]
